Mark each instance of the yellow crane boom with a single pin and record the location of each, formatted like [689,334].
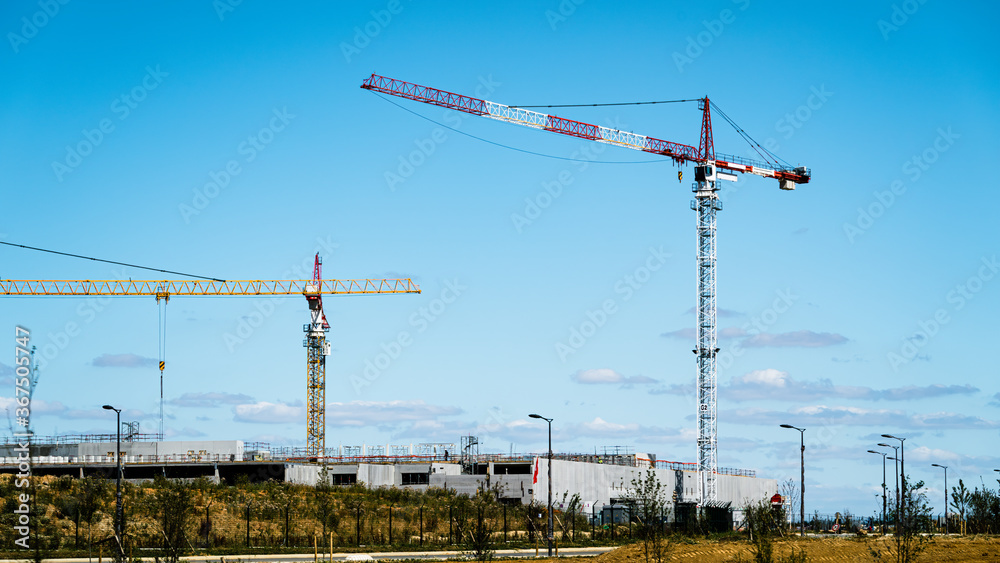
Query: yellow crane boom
[206,288]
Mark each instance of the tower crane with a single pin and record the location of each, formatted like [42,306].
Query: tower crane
[710,168]
[317,347]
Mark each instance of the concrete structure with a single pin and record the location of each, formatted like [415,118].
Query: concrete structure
[599,480]
[523,481]
[132,452]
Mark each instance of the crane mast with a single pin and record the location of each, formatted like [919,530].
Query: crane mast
[706,204]
[317,349]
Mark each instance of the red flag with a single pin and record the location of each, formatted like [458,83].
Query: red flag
[534,478]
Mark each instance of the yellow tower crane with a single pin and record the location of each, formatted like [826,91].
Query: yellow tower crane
[313,290]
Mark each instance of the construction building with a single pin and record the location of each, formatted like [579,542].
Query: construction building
[600,479]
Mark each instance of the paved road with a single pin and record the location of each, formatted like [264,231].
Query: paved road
[390,555]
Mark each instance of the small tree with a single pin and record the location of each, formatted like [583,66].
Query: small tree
[960,500]
[908,542]
[570,509]
[790,490]
[479,540]
[649,497]
[172,502]
[460,508]
[535,518]
[91,493]
[762,523]
[984,511]
[326,506]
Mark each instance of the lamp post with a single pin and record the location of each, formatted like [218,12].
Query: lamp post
[118,482]
[902,477]
[883,485]
[895,463]
[946,523]
[802,477]
[549,478]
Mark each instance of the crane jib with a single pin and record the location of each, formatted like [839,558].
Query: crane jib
[206,288]
[536,120]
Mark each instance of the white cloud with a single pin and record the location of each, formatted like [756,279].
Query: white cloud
[772,384]
[689,333]
[797,339]
[601,427]
[608,376]
[186,432]
[825,416]
[383,414]
[923,453]
[269,413]
[766,377]
[122,361]
[210,400]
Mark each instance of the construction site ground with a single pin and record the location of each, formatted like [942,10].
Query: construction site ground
[818,549]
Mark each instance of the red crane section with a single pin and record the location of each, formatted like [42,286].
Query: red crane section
[703,154]
[315,300]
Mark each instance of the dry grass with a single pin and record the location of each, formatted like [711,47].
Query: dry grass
[820,550]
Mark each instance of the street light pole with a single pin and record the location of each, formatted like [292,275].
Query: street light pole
[946,523]
[549,478]
[895,465]
[802,477]
[119,556]
[883,486]
[902,478]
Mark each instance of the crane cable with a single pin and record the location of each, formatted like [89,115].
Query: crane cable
[769,157]
[608,104]
[515,148]
[110,261]
[162,348]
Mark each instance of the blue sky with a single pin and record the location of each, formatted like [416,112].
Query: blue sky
[235,142]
